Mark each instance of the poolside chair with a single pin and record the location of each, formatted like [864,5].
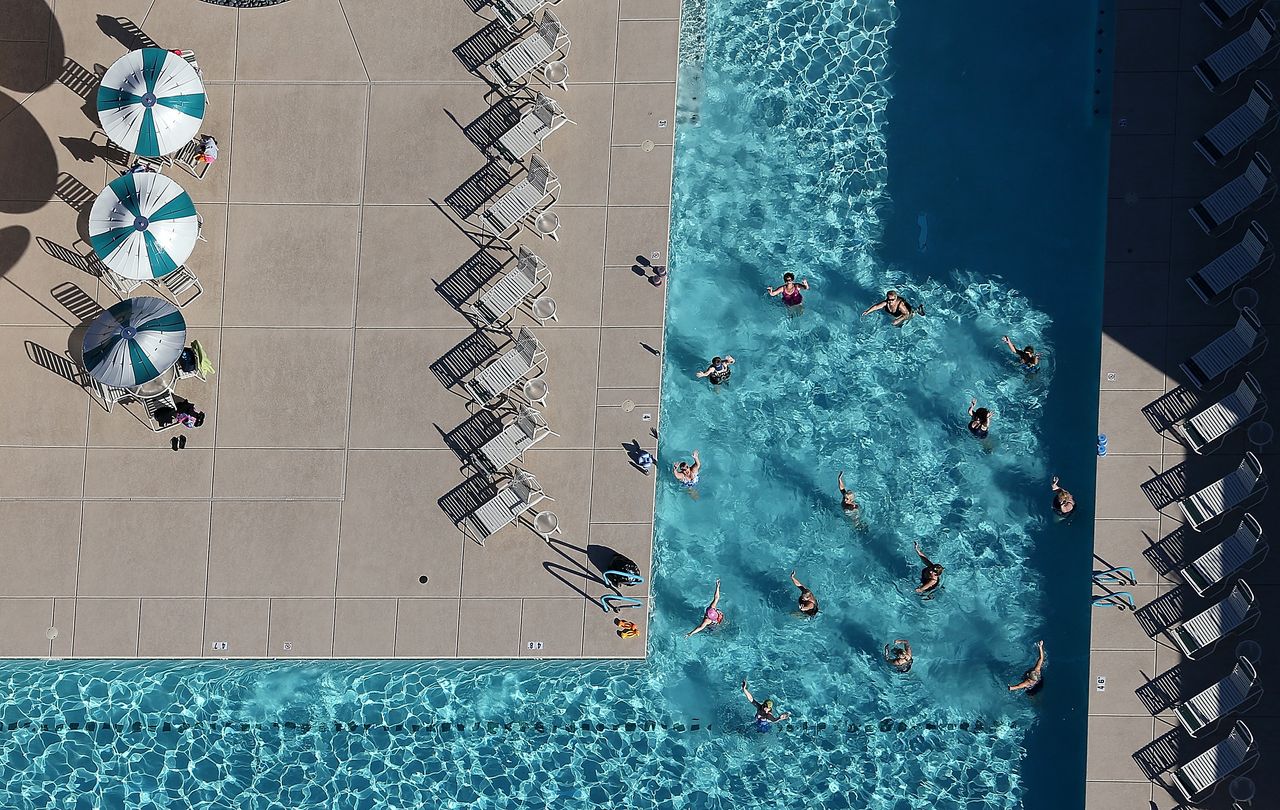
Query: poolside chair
[108,395]
[1226,13]
[515,12]
[542,119]
[1251,255]
[178,283]
[520,495]
[1224,141]
[1215,213]
[1200,634]
[1232,491]
[502,218]
[1235,693]
[509,370]
[1208,367]
[1209,427]
[186,158]
[1198,779]
[528,278]
[1243,550]
[1221,69]
[533,51]
[528,428]
[155,404]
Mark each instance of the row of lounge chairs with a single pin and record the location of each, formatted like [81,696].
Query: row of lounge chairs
[1226,604]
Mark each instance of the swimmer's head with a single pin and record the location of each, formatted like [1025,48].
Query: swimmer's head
[1029,350]
[1066,506]
[981,413]
[810,609]
[767,705]
[891,295]
[788,277]
[682,466]
[715,361]
[936,569]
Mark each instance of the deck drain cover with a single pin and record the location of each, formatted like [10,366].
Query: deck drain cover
[51,633]
[646,145]
[628,406]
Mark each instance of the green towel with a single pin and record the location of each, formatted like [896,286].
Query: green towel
[203,363]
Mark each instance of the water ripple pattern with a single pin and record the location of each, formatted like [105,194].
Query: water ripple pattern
[780,166]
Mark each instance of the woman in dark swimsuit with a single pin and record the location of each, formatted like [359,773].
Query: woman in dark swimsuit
[1063,502]
[1027,356]
[899,658]
[764,710]
[1032,678]
[790,290]
[719,370]
[896,306]
[808,602]
[979,420]
[930,575]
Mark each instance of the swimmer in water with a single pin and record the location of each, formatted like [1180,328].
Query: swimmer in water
[808,602]
[687,474]
[1032,678]
[719,370]
[979,420]
[896,306]
[764,710]
[712,616]
[930,575]
[1063,503]
[848,501]
[1027,356]
[790,290]
[899,657]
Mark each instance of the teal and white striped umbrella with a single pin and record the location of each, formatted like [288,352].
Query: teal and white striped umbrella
[151,102]
[134,341]
[143,225]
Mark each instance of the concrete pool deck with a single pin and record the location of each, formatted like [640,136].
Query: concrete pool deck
[1152,322]
[302,515]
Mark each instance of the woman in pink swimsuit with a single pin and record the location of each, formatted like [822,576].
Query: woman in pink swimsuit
[790,290]
[712,616]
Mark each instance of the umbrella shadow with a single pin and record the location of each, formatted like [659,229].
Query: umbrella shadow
[31,75]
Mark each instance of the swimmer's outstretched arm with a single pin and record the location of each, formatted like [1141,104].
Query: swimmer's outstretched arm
[747,692]
[697,463]
[773,291]
[874,307]
[704,373]
[927,561]
[796,582]
[706,622]
[973,406]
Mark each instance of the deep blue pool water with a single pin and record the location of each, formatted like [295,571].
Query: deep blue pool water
[814,136]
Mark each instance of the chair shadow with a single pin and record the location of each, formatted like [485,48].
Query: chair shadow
[485,45]
[455,365]
[56,363]
[79,303]
[489,126]
[460,286]
[468,437]
[481,187]
[126,32]
[465,498]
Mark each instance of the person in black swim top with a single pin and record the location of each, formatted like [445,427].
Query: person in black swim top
[1034,676]
[899,658]
[808,603]
[764,709]
[1027,356]
[1063,502]
[719,370]
[979,420]
[848,501]
[930,575]
[896,306]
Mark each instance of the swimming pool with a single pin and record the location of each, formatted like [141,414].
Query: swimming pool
[808,143]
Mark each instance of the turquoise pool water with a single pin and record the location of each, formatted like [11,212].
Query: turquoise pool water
[811,141]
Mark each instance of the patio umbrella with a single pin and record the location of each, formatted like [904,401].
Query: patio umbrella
[134,341]
[143,225]
[151,102]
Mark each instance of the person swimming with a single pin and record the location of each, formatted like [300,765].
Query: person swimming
[1063,502]
[1027,356]
[899,658]
[930,575]
[1033,678]
[848,501]
[712,616]
[897,307]
[790,290]
[687,474]
[765,717]
[979,420]
[719,370]
[808,603]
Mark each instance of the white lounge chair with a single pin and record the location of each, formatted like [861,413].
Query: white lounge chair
[509,370]
[1211,425]
[1208,366]
[526,430]
[542,119]
[187,158]
[108,395]
[1243,550]
[1226,13]
[1201,633]
[1220,209]
[1222,68]
[1225,698]
[1225,140]
[515,12]
[502,218]
[524,57]
[1251,255]
[1197,779]
[1227,493]
[178,283]
[517,497]
[528,278]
